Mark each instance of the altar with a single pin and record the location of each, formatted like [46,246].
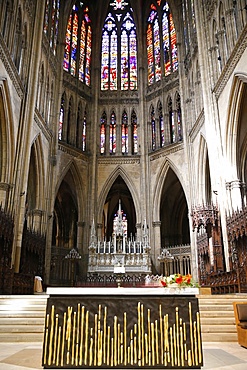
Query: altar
[122,328]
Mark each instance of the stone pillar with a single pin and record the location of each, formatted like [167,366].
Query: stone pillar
[230,28]
[80,227]
[24,132]
[155,248]
[37,219]
[99,231]
[138,232]
[236,199]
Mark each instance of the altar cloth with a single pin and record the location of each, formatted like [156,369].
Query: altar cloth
[122,328]
[122,291]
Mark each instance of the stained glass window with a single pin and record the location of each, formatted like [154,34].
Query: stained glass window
[166,29]
[103,122]
[179,119]
[171,121]
[119,49]
[84,126]
[51,22]
[134,133]
[153,47]
[150,54]
[113,134]
[61,119]
[161,126]
[46,19]
[189,23]
[125,138]
[153,129]
[78,44]
[169,41]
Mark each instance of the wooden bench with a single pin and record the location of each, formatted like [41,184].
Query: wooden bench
[240,312]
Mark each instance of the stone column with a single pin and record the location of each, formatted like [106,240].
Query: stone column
[236,199]
[80,227]
[155,248]
[24,133]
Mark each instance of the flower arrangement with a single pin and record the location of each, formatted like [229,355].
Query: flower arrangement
[179,280]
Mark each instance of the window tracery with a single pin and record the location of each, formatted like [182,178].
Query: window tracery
[103,122]
[163,26]
[113,133]
[78,44]
[119,49]
[134,133]
[61,118]
[51,22]
[125,133]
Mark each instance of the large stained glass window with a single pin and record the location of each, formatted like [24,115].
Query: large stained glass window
[119,48]
[103,122]
[189,23]
[51,22]
[169,41]
[160,22]
[78,43]
[153,47]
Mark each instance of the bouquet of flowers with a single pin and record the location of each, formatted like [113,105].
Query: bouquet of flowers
[179,280]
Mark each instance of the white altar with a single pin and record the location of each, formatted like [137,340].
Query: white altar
[132,254]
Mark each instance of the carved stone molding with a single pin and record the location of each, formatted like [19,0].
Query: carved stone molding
[209,6]
[197,126]
[167,150]
[74,152]
[118,160]
[10,68]
[156,223]
[236,54]
[29,8]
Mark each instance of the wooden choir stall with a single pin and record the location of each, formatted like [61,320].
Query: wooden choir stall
[122,328]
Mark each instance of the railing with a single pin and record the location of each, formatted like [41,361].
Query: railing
[134,256]
[180,262]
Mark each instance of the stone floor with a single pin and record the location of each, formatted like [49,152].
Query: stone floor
[217,356]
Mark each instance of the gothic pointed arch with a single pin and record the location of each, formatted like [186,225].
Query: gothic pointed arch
[36,188]
[174,220]
[204,177]
[161,178]
[118,172]
[7,145]
[68,207]
[236,129]
[71,170]
[118,194]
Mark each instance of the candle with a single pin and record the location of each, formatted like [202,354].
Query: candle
[82,333]
[58,345]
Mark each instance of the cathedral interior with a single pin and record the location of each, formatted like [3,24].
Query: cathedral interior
[123,140]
